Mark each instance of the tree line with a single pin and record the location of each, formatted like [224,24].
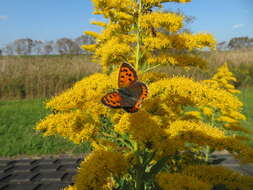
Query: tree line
[236,43]
[28,46]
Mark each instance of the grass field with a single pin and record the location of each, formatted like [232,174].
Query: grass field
[247,98]
[17,137]
[29,77]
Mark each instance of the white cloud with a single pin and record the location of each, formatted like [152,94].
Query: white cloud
[236,26]
[3,17]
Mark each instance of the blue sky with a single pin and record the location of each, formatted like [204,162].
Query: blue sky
[53,19]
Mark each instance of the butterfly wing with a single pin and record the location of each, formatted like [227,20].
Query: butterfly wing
[127,75]
[140,92]
[112,100]
[131,92]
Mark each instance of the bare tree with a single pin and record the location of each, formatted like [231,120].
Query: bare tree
[67,46]
[23,46]
[222,45]
[240,42]
[48,48]
[9,49]
[37,47]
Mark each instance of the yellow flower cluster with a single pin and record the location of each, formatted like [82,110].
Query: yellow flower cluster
[217,175]
[202,134]
[99,23]
[104,6]
[222,79]
[184,91]
[113,28]
[152,136]
[177,60]
[176,181]
[113,51]
[158,2]
[77,109]
[131,149]
[151,76]
[89,90]
[117,42]
[97,169]
[198,133]
[93,34]
[170,21]
[180,41]
[189,41]
[76,126]
[230,117]
[70,187]
[90,47]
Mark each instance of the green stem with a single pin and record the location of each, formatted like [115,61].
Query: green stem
[207,152]
[138,46]
[151,68]
[140,170]
[139,178]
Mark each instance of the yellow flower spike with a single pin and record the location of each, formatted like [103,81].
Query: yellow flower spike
[222,79]
[104,5]
[179,181]
[70,187]
[194,114]
[150,77]
[123,19]
[99,23]
[157,2]
[90,47]
[93,34]
[90,88]
[75,125]
[113,51]
[96,170]
[207,111]
[219,175]
[163,125]
[134,125]
[171,21]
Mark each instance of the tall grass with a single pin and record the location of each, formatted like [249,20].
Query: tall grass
[45,76]
[240,63]
[236,57]
[41,76]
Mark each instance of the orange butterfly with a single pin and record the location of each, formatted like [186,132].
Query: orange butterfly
[131,92]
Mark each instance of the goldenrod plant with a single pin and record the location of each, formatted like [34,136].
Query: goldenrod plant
[163,145]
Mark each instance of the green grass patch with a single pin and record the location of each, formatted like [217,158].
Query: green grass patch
[17,134]
[246,97]
[18,137]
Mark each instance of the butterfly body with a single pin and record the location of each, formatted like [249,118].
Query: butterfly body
[131,92]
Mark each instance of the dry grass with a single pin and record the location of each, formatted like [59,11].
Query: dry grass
[45,76]
[239,61]
[237,57]
[41,76]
